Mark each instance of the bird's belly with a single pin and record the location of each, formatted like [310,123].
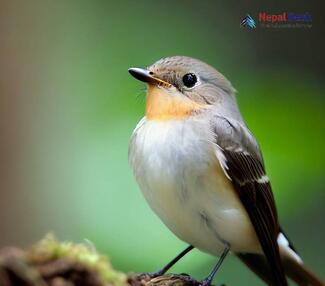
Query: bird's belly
[188,190]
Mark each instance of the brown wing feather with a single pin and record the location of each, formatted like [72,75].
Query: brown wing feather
[241,159]
[246,173]
[243,163]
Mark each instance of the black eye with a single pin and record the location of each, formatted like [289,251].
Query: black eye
[189,79]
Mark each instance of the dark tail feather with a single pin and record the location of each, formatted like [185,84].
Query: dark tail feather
[296,271]
[300,274]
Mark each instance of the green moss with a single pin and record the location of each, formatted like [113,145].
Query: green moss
[50,248]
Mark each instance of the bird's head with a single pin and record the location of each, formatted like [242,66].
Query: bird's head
[179,86]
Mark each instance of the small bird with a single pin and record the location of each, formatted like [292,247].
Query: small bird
[202,172]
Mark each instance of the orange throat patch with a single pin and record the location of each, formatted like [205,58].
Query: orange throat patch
[162,105]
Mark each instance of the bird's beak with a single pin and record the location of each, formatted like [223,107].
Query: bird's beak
[148,77]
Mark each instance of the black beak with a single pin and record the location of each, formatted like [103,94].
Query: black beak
[147,76]
[140,74]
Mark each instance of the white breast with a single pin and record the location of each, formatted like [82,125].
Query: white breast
[178,172]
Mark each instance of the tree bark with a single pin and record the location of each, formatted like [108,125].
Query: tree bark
[53,263]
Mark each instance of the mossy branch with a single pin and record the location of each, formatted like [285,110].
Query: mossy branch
[54,263]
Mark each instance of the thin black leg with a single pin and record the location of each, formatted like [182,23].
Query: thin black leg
[171,263]
[208,280]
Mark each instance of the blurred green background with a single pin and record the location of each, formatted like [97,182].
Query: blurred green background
[68,108]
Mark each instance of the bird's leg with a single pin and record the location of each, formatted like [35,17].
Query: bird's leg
[208,280]
[172,262]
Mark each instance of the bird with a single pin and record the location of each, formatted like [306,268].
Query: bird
[201,171]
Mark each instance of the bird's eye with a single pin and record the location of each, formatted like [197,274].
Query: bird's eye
[189,79]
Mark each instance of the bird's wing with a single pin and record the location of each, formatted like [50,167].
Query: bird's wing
[241,160]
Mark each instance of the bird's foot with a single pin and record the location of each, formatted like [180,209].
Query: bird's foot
[154,279]
[206,282]
[193,282]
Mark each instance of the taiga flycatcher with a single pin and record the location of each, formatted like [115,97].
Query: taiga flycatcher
[202,172]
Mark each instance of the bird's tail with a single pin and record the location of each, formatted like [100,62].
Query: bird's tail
[300,274]
[291,262]
[293,269]
[293,265]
